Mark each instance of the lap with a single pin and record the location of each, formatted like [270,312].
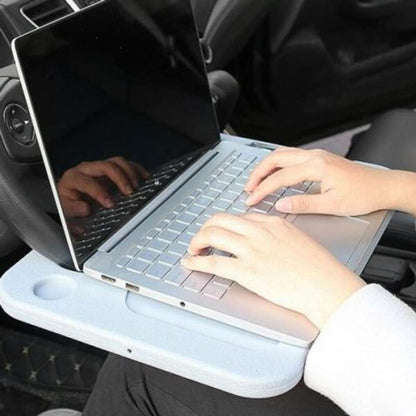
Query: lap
[129,388]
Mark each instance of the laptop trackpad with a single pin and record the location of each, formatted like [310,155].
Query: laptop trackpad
[340,235]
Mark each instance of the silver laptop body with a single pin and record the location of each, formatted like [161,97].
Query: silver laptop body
[142,254]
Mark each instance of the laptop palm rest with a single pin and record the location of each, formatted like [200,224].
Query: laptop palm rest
[339,235]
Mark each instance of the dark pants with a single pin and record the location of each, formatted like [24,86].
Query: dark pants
[128,388]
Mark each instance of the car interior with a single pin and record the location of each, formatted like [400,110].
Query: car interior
[293,72]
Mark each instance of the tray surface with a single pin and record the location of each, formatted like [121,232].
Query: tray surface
[39,292]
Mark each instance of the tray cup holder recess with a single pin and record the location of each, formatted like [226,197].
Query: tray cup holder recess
[54,288]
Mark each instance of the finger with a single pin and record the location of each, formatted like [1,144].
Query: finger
[76,230]
[128,169]
[234,223]
[290,175]
[109,169]
[141,171]
[226,267]
[307,204]
[280,158]
[74,209]
[217,238]
[88,185]
[259,218]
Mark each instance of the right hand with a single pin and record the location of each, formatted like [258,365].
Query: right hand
[85,179]
[267,260]
[347,188]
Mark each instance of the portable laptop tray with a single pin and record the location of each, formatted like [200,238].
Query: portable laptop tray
[41,293]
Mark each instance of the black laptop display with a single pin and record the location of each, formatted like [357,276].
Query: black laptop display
[122,83]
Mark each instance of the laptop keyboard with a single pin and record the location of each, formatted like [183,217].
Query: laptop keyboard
[106,220]
[157,255]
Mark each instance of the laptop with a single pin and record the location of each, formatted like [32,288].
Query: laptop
[123,83]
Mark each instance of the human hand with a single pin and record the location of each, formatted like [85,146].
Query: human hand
[268,261]
[86,179]
[347,188]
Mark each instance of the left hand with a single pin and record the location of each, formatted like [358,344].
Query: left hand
[275,260]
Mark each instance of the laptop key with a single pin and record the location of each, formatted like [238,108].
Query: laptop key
[137,266]
[211,194]
[214,291]
[203,202]
[158,245]
[194,210]
[247,158]
[197,281]
[168,236]
[229,196]
[177,210]
[202,186]
[157,270]
[152,234]
[170,217]
[193,229]
[161,225]
[194,194]
[222,281]
[123,262]
[187,201]
[274,213]
[177,227]
[186,219]
[301,187]
[177,275]
[225,179]
[239,165]
[235,188]
[177,248]
[291,192]
[143,242]
[133,252]
[209,212]
[221,205]
[270,199]
[185,239]
[148,255]
[262,208]
[231,171]
[279,192]
[218,186]
[169,258]
[239,206]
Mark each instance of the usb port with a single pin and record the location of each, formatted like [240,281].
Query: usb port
[134,288]
[108,279]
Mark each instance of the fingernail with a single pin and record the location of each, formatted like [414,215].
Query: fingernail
[128,189]
[283,205]
[249,200]
[184,261]
[108,203]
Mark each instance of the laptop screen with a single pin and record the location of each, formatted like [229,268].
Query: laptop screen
[122,104]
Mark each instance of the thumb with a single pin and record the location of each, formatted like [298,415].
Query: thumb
[305,204]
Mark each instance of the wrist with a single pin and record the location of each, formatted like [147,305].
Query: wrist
[401,191]
[336,291]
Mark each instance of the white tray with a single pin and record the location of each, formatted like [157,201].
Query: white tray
[39,292]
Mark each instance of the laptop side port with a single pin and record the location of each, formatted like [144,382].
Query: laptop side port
[133,288]
[108,279]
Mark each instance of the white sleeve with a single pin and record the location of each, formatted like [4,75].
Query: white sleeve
[365,358]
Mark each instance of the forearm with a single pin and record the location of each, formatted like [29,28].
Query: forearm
[401,191]
[364,358]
